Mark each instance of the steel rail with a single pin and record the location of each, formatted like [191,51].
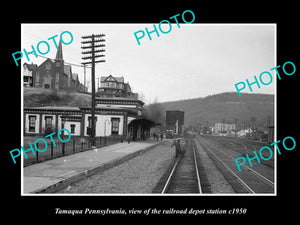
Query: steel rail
[233,173]
[266,180]
[170,176]
[269,182]
[197,172]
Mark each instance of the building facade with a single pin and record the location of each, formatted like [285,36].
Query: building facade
[27,74]
[55,75]
[117,116]
[224,127]
[111,86]
[43,120]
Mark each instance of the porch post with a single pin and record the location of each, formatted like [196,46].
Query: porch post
[125,125]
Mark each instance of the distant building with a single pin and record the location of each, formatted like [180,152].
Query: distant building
[245,132]
[223,127]
[111,86]
[55,75]
[271,134]
[260,134]
[27,74]
[175,121]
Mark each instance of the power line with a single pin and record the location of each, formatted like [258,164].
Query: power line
[31,36]
[73,64]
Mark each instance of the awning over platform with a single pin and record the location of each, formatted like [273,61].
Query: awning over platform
[139,128]
[145,121]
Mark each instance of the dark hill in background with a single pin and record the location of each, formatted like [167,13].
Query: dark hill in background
[226,107]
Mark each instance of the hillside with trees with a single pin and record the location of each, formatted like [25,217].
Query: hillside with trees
[257,109]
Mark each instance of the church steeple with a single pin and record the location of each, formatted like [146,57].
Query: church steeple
[59,53]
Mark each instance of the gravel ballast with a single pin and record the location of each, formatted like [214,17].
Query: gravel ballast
[218,182]
[138,175]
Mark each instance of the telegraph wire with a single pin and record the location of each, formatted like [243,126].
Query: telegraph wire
[73,64]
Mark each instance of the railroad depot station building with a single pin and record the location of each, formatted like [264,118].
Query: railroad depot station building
[118,110]
[117,116]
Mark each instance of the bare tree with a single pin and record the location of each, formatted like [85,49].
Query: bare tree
[155,111]
[141,96]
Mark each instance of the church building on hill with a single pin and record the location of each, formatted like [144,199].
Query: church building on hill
[55,75]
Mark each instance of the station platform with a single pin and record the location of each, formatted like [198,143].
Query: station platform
[49,176]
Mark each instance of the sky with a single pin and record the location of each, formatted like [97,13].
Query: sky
[195,60]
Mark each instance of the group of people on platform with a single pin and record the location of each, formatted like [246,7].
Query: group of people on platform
[156,136]
[144,136]
[180,144]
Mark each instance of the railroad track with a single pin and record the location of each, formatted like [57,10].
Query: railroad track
[184,177]
[247,147]
[248,180]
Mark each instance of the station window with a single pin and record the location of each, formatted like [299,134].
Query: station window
[115,125]
[48,121]
[32,120]
[72,128]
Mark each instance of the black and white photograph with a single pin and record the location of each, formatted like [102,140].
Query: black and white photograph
[107,112]
[145,111]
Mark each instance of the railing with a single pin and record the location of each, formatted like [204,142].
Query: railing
[75,145]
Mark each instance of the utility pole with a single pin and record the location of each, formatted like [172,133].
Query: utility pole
[252,125]
[176,127]
[84,78]
[98,83]
[92,49]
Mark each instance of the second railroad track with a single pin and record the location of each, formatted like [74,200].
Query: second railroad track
[183,177]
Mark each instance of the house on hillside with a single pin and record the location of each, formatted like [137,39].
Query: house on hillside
[27,74]
[55,75]
[111,86]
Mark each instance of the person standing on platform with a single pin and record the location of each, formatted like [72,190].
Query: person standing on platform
[128,138]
